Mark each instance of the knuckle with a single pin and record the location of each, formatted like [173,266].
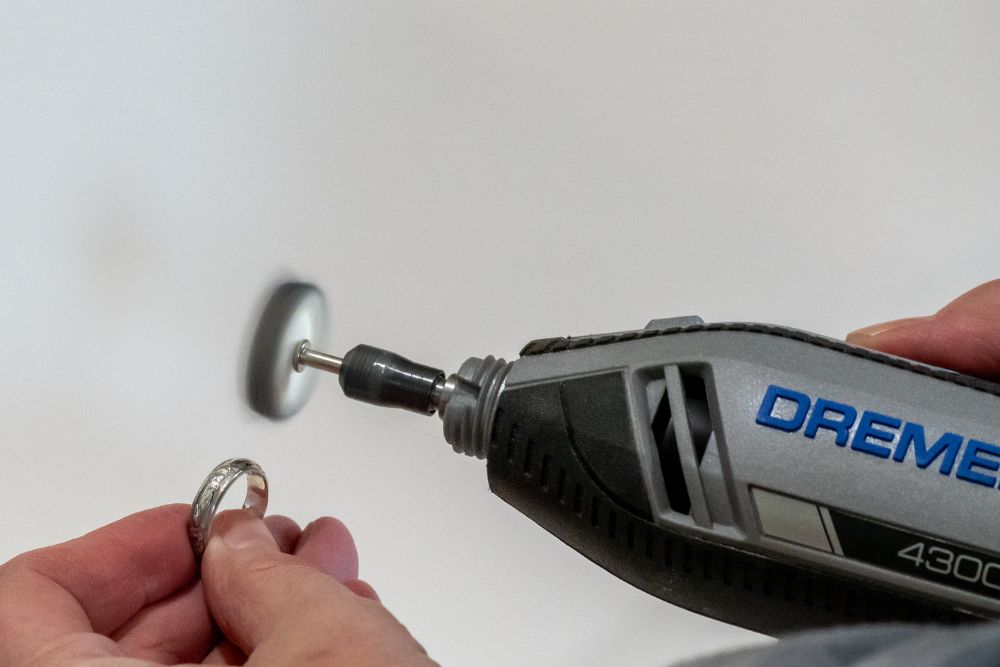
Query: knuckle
[256,569]
[19,567]
[260,565]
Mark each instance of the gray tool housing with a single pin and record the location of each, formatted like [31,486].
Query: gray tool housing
[679,458]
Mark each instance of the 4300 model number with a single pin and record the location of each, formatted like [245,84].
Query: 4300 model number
[943,561]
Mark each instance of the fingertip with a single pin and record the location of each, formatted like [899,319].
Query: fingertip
[236,530]
[858,338]
[284,530]
[174,510]
[327,545]
[362,589]
[869,336]
[942,340]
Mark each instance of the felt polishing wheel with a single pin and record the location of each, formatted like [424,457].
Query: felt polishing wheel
[294,313]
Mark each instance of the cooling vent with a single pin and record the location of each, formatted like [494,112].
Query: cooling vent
[676,448]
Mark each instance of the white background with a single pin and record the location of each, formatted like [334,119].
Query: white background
[459,179]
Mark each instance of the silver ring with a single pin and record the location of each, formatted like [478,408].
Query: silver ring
[214,488]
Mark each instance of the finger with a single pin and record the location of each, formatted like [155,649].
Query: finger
[95,582]
[226,653]
[281,610]
[362,588]
[963,336]
[180,628]
[243,605]
[285,532]
[327,545]
[177,629]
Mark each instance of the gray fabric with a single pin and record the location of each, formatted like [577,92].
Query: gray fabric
[873,646]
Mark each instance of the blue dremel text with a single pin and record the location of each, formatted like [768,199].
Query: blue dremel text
[879,435]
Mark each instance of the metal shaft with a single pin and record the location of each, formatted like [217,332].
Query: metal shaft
[306,357]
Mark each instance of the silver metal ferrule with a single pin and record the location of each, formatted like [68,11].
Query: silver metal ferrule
[306,357]
[442,391]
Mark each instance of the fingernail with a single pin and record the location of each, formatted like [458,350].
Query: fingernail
[881,328]
[246,533]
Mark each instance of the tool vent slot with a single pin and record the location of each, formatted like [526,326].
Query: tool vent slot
[698,413]
[670,458]
[680,454]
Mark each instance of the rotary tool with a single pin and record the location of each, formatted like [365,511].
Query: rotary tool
[760,475]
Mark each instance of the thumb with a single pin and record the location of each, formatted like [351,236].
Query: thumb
[280,610]
[963,336]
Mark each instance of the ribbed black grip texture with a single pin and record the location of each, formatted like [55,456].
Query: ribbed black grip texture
[385,378]
[537,464]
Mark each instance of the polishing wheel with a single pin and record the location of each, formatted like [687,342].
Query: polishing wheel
[294,315]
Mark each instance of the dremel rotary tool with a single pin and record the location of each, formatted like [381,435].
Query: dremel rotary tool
[760,475]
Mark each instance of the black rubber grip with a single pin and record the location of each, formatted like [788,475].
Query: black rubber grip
[539,461]
[385,378]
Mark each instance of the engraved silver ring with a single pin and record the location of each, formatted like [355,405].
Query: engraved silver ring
[214,488]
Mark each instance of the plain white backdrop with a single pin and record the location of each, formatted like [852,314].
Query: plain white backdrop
[459,178]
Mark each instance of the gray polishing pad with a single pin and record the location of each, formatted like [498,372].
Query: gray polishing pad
[295,312]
